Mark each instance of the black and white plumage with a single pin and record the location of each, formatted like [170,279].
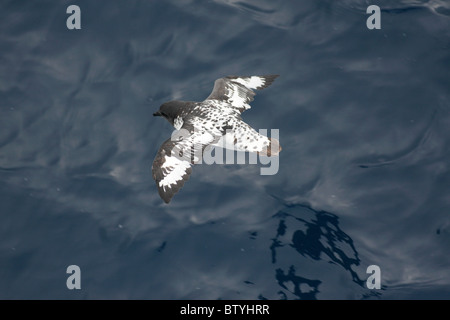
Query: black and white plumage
[214,122]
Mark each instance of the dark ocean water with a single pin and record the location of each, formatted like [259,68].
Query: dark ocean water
[364,120]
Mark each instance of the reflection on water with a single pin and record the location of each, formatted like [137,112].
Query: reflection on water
[305,289]
[315,235]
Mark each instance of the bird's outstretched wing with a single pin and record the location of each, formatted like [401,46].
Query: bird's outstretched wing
[172,165]
[169,171]
[238,90]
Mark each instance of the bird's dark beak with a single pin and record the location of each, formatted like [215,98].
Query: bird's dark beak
[157,114]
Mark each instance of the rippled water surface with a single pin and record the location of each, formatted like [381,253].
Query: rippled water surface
[364,120]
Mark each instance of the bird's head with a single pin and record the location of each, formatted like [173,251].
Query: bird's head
[169,110]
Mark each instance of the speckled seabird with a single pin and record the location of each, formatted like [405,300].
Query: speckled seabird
[215,121]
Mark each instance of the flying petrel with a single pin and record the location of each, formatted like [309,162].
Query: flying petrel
[214,122]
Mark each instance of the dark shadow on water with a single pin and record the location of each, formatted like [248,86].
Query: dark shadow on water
[314,235]
[299,283]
